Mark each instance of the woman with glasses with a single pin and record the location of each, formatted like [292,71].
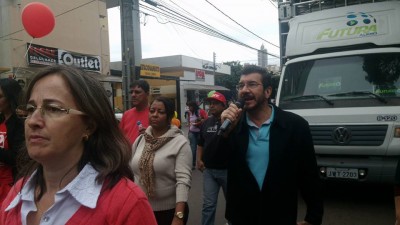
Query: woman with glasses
[76,166]
[11,133]
[162,163]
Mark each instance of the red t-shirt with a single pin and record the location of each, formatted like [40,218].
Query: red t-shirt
[129,125]
[6,176]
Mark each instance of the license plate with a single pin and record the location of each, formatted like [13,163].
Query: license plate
[342,173]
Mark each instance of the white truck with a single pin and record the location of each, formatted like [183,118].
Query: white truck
[342,75]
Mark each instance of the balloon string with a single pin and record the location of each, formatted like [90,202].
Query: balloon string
[26,53]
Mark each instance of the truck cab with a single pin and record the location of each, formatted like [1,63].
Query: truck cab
[341,73]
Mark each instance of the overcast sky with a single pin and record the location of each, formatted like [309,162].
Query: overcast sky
[158,39]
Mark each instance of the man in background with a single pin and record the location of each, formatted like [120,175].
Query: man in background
[136,120]
[212,159]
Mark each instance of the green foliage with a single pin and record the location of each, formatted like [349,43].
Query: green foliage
[230,81]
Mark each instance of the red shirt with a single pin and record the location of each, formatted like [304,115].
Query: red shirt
[129,121]
[6,176]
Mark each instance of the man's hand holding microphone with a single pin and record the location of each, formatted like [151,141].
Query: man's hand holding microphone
[230,117]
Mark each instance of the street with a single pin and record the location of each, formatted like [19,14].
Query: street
[345,204]
[196,201]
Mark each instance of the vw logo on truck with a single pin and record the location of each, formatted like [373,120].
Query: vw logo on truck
[341,135]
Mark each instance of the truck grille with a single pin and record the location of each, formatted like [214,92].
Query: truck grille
[353,135]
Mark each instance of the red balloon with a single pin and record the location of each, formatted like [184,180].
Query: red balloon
[38,19]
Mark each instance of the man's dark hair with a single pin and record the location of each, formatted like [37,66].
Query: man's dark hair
[143,84]
[12,92]
[265,76]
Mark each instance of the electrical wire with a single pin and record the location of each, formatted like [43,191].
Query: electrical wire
[181,20]
[241,24]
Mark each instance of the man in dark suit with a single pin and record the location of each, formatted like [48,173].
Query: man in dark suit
[271,159]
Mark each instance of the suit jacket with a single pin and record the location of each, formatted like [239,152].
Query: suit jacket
[292,169]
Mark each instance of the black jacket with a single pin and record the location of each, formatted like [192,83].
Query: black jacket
[215,156]
[292,169]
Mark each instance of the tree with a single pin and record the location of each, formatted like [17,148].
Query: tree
[230,81]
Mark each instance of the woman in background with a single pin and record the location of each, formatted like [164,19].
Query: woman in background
[162,163]
[76,158]
[196,118]
[11,133]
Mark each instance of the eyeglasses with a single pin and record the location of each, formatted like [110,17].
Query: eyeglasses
[48,110]
[250,85]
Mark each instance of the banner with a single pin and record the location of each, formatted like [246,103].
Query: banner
[86,62]
[42,55]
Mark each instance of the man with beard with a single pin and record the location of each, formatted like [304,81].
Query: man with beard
[212,159]
[136,120]
[271,159]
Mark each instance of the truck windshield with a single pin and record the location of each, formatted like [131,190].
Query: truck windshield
[348,81]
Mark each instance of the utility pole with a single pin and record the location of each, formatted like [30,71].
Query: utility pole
[214,65]
[130,46]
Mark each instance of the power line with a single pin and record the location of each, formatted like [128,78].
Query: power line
[272,3]
[181,20]
[231,26]
[241,24]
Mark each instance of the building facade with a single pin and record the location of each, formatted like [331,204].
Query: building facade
[182,78]
[262,57]
[80,37]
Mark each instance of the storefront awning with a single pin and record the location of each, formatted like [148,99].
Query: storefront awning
[111,79]
[4,69]
[201,87]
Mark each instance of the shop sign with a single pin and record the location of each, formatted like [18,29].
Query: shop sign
[149,70]
[200,75]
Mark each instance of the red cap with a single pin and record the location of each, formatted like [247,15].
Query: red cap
[216,96]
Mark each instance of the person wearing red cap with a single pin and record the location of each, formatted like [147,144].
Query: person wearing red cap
[212,159]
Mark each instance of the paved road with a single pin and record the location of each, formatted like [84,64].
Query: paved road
[196,198]
[195,202]
[345,204]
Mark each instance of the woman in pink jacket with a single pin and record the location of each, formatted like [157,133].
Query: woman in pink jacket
[76,166]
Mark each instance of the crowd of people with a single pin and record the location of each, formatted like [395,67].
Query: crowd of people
[65,159]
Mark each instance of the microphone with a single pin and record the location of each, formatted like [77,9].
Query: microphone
[139,124]
[227,123]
